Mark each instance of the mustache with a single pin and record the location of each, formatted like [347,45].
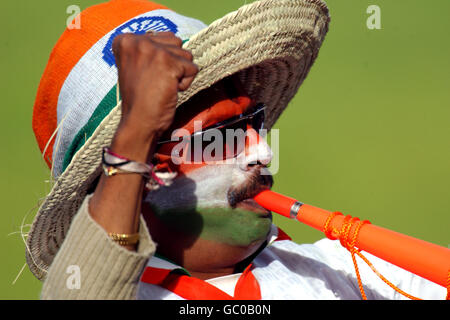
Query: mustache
[254,184]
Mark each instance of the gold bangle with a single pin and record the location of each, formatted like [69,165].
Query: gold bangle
[125,239]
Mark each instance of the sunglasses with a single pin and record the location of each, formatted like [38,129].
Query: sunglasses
[224,140]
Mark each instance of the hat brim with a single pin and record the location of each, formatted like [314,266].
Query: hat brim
[270,44]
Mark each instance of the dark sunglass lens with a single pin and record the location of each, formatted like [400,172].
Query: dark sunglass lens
[218,143]
[258,120]
[234,138]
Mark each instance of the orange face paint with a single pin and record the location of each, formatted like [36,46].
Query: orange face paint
[209,107]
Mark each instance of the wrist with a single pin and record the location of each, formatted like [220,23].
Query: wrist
[133,144]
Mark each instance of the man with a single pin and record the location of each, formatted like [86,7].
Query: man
[199,235]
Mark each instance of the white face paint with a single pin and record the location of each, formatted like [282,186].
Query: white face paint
[204,187]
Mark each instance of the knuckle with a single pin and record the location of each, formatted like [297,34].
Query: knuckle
[178,42]
[146,47]
[173,39]
[123,42]
[189,55]
[194,67]
[166,33]
[162,55]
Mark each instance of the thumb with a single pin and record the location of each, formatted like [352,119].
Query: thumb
[185,83]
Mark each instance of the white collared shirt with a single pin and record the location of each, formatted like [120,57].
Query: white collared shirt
[324,270]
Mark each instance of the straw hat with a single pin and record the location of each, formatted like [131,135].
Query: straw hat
[270,44]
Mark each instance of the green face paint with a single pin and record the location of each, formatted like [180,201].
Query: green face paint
[236,227]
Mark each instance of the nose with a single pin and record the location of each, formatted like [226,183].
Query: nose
[257,151]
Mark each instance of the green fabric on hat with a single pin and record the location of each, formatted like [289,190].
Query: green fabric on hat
[102,110]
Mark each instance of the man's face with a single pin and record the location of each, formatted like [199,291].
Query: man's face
[213,199]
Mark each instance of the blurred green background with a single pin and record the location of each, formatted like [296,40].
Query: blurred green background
[368,134]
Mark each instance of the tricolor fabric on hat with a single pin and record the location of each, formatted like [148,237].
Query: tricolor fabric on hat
[81,73]
[270,44]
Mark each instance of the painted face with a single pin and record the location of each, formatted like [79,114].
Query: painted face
[213,200]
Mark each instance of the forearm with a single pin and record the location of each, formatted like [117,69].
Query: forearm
[116,203]
[108,270]
[148,108]
[105,269]
[89,265]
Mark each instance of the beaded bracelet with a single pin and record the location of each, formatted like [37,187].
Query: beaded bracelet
[116,164]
